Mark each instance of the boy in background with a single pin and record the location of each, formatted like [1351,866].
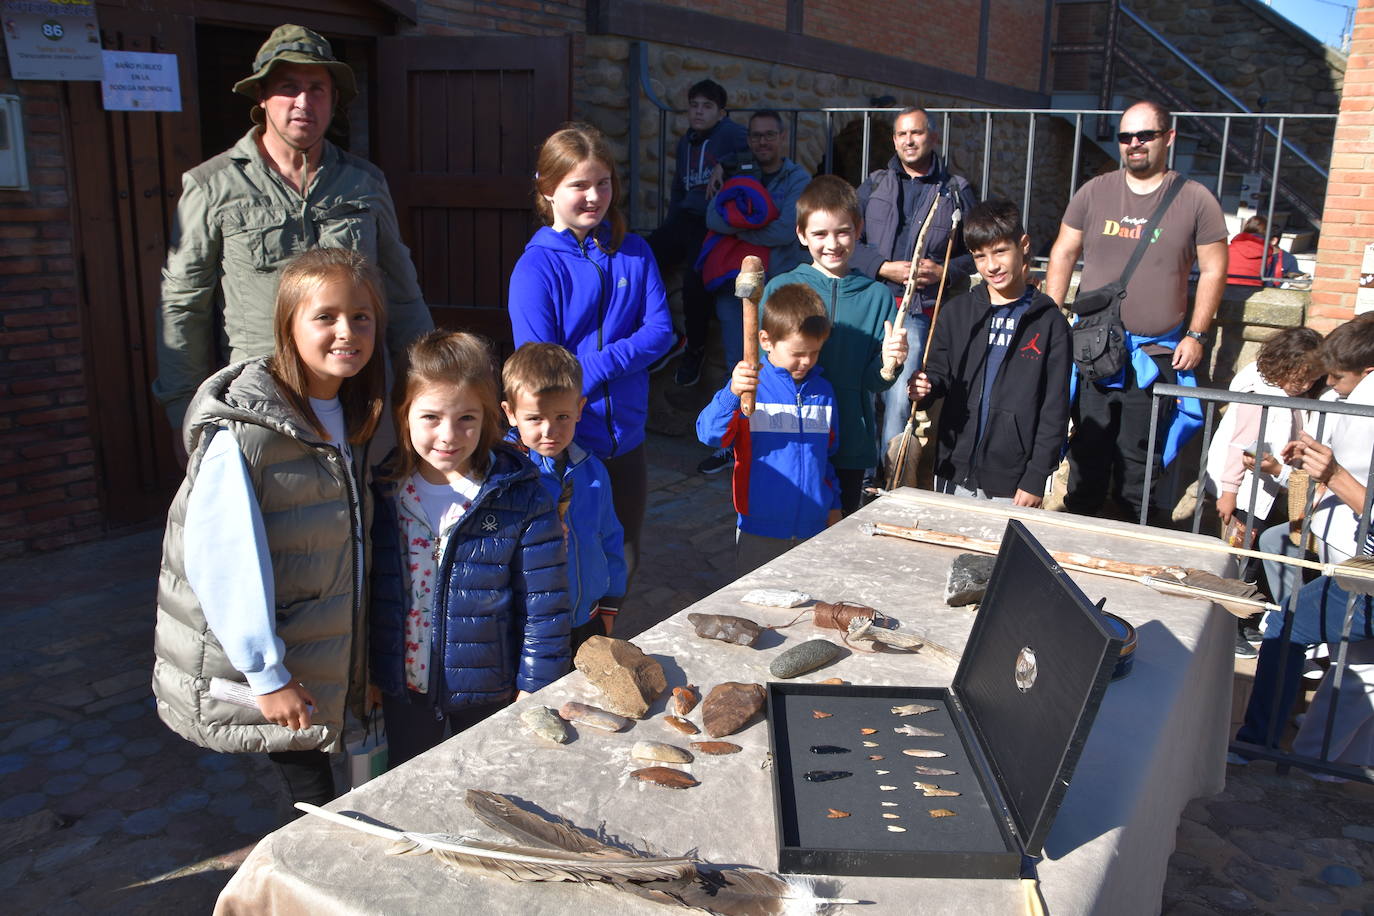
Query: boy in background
[863,343]
[543,389]
[1000,360]
[710,137]
[784,487]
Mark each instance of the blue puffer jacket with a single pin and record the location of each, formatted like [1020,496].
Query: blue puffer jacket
[596,540]
[501,615]
[610,311]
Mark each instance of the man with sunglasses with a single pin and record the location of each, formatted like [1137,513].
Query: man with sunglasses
[1103,224]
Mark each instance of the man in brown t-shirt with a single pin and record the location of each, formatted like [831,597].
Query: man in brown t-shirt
[1103,224]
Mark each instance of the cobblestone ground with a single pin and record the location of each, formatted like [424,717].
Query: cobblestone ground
[104,810]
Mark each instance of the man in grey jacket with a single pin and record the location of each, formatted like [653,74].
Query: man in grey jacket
[895,202]
[279,191]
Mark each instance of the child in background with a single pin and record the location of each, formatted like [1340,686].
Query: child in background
[262,562]
[862,341]
[586,284]
[543,386]
[1000,360]
[469,590]
[711,136]
[1289,364]
[785,489]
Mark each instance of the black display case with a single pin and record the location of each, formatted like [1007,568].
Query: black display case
[1013,725]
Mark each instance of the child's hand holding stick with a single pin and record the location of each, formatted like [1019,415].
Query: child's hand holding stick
[748,286]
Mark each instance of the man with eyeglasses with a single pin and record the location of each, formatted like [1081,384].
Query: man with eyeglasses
[1103,223]
[895,201]
[784,181]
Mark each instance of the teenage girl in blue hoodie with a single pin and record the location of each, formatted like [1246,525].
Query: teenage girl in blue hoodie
[586,284]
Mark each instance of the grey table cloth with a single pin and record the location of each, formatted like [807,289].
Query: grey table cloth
[1159,740]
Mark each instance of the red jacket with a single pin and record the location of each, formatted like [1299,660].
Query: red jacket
[1247,253]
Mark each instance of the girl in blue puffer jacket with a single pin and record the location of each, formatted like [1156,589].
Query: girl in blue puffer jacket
[469,594]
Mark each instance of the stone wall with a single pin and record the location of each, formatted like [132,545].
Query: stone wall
[603,99]
[1259,56]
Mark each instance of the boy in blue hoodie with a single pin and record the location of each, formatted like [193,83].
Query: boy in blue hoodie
[864,353]
[784,487]
[711,136]
[543,390]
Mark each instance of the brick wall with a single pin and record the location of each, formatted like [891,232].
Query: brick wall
[47,486]
[1014,42]
[769,13]
[1348,217]
[940,33]
[508,17]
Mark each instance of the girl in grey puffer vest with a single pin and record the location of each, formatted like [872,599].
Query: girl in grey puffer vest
[263,555]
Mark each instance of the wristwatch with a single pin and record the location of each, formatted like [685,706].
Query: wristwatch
[1199,336]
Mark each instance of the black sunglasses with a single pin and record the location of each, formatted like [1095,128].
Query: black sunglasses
[1144,136]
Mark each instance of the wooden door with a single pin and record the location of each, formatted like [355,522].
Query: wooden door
[127,177]
[459,124]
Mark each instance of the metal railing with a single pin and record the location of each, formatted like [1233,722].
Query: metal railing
[1211,397]
[956,125]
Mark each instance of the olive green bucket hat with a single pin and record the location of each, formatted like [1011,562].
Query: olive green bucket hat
[295,44]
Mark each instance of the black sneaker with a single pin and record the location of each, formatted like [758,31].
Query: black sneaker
[689,370]
[718,461]
[1243,648]
[679,344]
[1252,635]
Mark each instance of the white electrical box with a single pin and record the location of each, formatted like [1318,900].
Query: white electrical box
[14,172]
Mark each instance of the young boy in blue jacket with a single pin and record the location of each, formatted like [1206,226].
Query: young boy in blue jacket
[784,487]
[1000,359]
[543,390]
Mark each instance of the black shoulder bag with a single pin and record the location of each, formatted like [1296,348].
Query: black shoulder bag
[1099,336]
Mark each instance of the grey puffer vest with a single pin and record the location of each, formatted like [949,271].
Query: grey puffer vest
[307,498]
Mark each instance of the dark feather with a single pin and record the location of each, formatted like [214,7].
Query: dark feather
[501,815]
[737,892]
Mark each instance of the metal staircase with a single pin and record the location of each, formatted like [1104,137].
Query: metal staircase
[1234,151]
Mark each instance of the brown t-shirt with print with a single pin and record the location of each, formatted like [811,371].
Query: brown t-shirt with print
[1110,216]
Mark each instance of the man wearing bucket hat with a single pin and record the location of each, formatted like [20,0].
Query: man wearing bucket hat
[279,191]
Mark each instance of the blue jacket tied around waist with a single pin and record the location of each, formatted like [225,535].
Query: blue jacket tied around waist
[500,615]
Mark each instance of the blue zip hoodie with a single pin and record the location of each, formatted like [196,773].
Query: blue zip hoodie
[610,311]
[596,541]
[784,485]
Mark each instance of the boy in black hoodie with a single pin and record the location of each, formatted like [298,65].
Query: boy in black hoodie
[711,136]
[1000,359]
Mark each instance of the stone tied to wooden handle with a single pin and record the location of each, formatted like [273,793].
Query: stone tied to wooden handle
[748,286]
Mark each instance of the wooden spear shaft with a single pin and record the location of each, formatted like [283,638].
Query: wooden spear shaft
[1061,520]
[908,291]
[747,287]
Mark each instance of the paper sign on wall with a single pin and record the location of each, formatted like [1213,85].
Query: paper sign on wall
[48,40]
[138,81]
